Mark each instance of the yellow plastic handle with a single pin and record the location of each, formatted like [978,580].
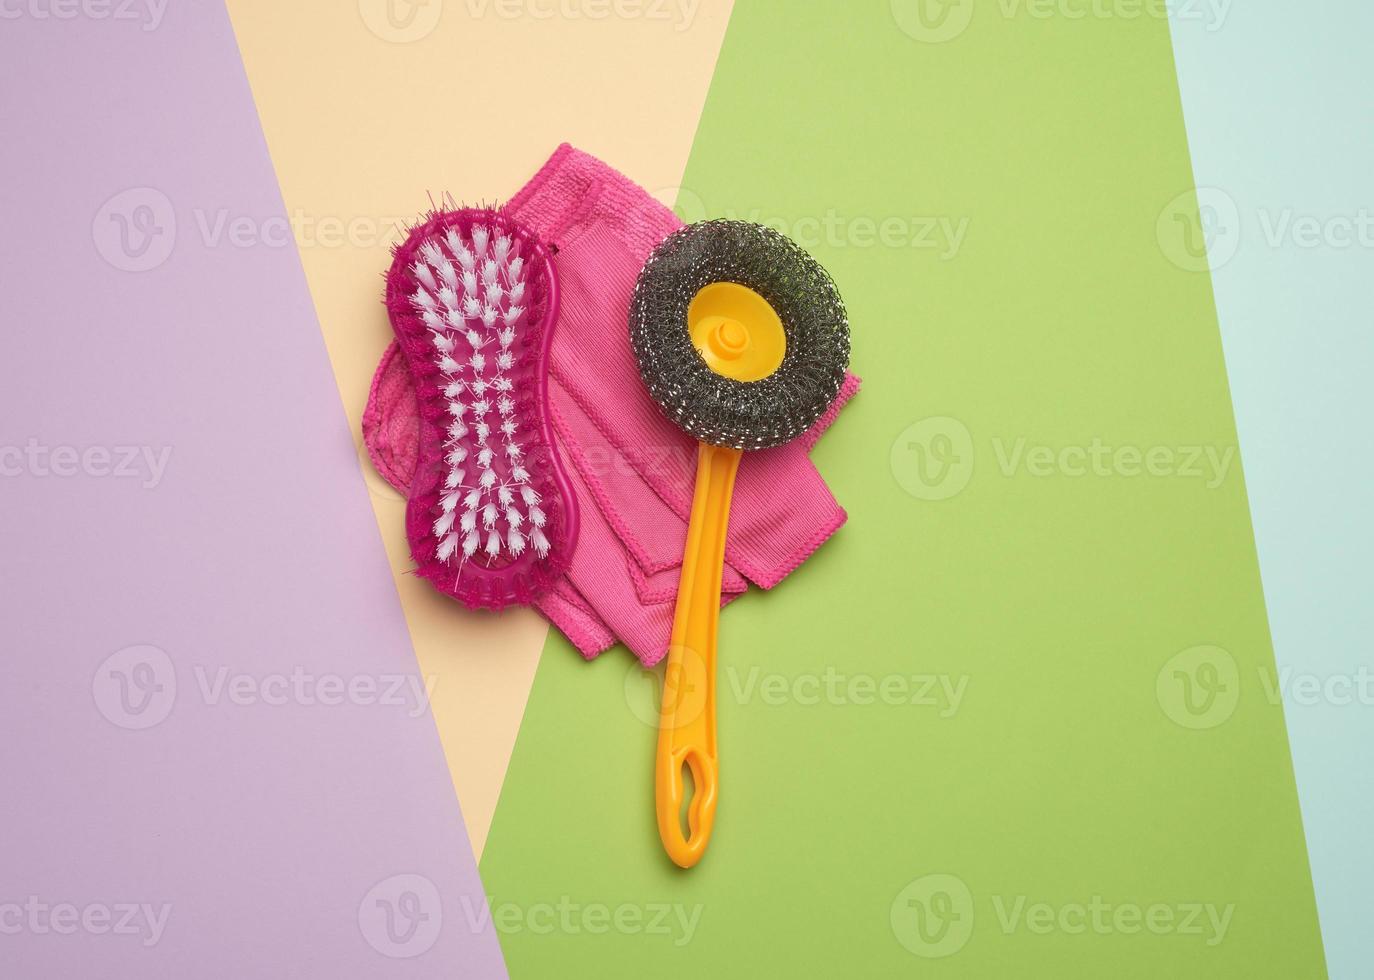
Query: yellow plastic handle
[687,715]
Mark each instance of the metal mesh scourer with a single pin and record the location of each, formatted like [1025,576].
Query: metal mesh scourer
[720,410]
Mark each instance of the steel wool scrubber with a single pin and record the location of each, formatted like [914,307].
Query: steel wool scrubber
[742,339]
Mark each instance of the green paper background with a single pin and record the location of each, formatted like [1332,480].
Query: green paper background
[1079,768]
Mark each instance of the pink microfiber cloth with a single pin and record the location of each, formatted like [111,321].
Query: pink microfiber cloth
[632,470]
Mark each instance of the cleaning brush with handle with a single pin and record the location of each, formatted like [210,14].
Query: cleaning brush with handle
[473,300]
[742,339]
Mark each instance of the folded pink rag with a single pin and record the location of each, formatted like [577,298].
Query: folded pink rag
[631,468]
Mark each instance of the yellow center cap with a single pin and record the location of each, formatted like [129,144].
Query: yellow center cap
[729,338]
[738,334]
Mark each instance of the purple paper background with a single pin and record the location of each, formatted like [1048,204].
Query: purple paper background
[262,825]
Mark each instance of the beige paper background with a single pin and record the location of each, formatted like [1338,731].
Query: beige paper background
[368,107]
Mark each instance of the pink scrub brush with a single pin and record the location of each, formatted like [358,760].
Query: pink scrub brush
[473,298]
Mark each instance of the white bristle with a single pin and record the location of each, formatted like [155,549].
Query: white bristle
[456,246]
[460,279]
[423,274]
[448,273]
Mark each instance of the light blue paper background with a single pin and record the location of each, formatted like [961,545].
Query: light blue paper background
[1278,103]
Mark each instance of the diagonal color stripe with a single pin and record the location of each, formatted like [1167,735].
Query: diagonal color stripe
[369,106]
[1012,714]
[202,776]
[1278,128]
